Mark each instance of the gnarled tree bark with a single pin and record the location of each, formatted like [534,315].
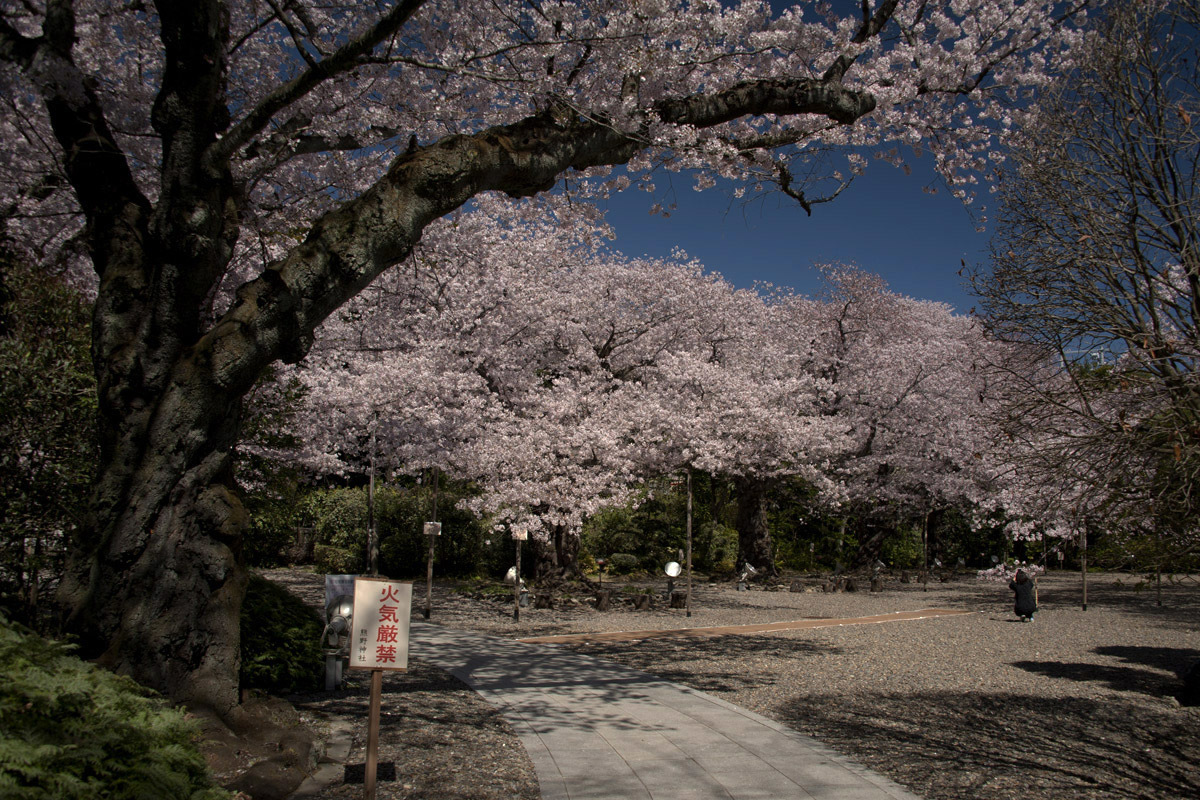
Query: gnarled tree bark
[557,557]
[754,535]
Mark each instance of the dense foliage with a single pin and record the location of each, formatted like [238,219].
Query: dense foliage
[74,731]
[327,527]
[281,641]
[47,439]
[806,537]
[646,535]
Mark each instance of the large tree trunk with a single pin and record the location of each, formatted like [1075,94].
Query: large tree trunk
[557,557]
[545,559]
[156,592]
[754,537]
[154,586]
[870,546]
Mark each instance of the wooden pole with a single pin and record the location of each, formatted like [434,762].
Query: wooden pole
[688,600]
[429,561]
[373,735]
[372,534]
[1158,564]
[925,544]
[517,587]
[925,554]
[1083,562]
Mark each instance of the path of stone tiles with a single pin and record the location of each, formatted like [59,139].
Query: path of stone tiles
[598,730]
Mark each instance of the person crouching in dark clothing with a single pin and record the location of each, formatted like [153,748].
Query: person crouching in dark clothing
[1026,597]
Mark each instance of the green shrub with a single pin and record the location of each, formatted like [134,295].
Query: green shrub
[338,560]
[336,519]
[75,731]
[903,549]
[339,517]
[48,444]
[715,547]
[281,641]
[622,563]
[655,529]
[462,550]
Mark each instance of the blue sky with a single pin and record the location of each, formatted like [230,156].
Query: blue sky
[883,223]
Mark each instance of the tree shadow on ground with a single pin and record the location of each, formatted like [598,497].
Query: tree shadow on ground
[705,663]
[1180,600]
[1171,659]
[1156,674]
[416,695]
[436,736]
[947,746]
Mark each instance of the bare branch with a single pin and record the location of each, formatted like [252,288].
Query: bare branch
[345,59]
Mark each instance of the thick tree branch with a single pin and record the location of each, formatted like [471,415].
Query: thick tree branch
[872,25]
[341,61]
[195,219]
[95,165]
[276,313]
[783,96]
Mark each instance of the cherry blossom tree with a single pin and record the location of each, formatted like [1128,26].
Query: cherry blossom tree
[909,392]
[538,336]
[234,172]
[744,406]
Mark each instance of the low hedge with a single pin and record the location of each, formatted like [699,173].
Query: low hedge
[281,641]
[74,731]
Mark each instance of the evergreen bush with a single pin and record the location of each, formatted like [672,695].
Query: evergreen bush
[622,563]
[337,560]
[281,641]
[74,731]
[339,517]
[462,549]
[902,550]
[48,445]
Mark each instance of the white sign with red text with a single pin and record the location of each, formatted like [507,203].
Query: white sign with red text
[381,616]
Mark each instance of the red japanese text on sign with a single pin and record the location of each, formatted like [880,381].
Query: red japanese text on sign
[381,619]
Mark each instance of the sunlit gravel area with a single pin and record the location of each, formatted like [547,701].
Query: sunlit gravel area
[1077,704]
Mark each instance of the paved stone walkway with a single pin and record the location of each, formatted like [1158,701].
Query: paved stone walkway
[597,729]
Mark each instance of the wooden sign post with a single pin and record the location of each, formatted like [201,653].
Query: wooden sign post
[520,536]
[432,531]
[379,642]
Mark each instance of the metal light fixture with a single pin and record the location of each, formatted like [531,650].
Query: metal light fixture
[336,637]
[747,573]
[672,569]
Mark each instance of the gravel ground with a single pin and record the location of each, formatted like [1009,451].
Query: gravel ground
[1077,704]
